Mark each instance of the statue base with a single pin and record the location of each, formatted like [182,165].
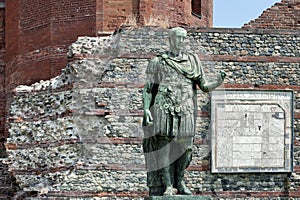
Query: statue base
[177,197]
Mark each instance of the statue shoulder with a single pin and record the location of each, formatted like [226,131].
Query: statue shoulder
[155,62]
[153,65]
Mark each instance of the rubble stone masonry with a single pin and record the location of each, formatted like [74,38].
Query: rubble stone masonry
[78,135]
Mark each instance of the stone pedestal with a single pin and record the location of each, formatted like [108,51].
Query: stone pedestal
[177,197]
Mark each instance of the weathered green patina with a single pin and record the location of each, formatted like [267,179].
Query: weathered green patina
[170,109]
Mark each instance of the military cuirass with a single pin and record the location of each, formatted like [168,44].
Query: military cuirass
[175,93]
[174,103]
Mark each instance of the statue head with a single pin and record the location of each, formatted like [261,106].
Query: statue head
[176,38]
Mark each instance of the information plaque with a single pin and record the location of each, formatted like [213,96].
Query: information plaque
[252,131]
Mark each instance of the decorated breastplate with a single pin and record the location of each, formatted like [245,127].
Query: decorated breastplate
[175,92]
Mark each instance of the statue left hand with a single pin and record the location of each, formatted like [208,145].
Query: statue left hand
[148,117]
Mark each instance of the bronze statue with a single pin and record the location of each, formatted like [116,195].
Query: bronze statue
[170,109]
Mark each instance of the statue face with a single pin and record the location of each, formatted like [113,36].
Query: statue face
[176,41]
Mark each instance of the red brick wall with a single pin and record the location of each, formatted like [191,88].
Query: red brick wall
[207,13]
[179,12]
[175,10]
[2,71]
[40,32]
[113,13]
[283,15]
[12,29]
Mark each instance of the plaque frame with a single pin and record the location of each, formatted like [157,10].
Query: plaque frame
[228,161]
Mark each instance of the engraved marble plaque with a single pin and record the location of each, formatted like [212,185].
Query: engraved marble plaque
[252,131]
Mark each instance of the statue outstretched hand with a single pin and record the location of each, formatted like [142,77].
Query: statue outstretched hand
[222,74]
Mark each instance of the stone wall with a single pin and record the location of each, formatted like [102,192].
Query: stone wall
[79,135]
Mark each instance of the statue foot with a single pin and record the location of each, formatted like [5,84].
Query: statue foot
[182,189]
[169,191]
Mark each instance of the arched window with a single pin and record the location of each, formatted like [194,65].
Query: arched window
[196,8]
